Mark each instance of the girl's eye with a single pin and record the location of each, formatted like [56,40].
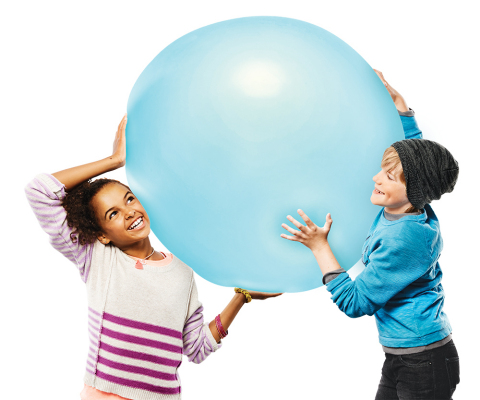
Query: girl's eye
[112,214]
[130,199]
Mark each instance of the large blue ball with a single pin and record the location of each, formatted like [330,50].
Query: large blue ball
[236,125]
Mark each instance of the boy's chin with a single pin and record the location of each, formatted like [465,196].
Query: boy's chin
[376,203]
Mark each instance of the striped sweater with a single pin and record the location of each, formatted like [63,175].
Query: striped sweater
[140,321]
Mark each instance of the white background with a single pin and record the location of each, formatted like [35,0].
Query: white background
[66,72]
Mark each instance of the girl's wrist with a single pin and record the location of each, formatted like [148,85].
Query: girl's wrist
[115,162]
[240,298]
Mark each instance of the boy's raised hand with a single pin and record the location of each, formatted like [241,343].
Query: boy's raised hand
[311,235]
[396,97]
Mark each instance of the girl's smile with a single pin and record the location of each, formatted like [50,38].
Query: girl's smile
[121,216]
[137,224]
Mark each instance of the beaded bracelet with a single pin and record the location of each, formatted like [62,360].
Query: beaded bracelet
[245,293]
[220,330]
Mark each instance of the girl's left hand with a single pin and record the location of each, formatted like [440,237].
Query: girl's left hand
[311,235]
[262,295]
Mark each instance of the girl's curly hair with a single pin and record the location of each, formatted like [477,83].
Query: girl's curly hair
[80,212]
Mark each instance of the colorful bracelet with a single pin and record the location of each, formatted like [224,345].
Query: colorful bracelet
[245,293]
[220,330]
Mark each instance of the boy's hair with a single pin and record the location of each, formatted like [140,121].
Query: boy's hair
[391,160]
[80,212]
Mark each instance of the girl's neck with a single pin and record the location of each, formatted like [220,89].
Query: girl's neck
[140,249]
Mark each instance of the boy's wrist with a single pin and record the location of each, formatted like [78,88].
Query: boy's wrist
[320,246]
[401,104]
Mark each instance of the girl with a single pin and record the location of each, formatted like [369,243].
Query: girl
[401,280]
[144,311]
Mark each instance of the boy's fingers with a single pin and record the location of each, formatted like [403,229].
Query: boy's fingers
[328,221]
[307,220]
[294,238]
[291,230]
[294,222]
[380,75]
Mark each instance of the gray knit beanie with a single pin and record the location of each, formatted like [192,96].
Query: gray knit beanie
[429,168]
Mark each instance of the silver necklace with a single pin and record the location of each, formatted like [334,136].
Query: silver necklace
[153,251]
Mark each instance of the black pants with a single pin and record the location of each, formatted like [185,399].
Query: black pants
[429,375]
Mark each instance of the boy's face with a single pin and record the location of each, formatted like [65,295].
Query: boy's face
[390,192]
[121,216]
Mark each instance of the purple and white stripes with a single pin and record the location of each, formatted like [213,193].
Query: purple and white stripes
[45,195]
[133,353]
[94,325]
[197,338]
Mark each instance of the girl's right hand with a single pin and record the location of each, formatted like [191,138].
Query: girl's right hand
[119,144]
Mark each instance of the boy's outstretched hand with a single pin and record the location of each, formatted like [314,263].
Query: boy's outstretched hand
[396,97]
[311,235]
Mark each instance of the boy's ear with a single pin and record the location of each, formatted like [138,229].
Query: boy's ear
[103,239]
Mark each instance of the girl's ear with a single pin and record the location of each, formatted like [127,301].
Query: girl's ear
[103,239]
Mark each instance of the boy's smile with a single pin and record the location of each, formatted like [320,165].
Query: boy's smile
[390,192]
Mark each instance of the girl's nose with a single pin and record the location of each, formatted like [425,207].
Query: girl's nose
[131,213]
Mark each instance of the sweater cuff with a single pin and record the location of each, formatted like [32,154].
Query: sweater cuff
[52,183]
[330,276]
[211,339]
[409,113]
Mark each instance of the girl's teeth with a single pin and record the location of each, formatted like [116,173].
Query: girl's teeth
[136,223]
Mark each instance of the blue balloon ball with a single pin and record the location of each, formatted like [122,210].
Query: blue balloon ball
[238,124]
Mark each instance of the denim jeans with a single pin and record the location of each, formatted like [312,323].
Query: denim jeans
[429,375]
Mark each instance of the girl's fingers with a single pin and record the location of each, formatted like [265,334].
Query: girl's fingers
[122,124]
[307,220]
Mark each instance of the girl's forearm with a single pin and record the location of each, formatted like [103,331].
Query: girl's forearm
[72,177]
[325,259]
[228,314]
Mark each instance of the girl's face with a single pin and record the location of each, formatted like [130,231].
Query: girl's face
[121,216]
[390,192]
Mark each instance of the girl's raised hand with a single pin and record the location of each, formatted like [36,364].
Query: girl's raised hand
[311,235]
[119,144]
